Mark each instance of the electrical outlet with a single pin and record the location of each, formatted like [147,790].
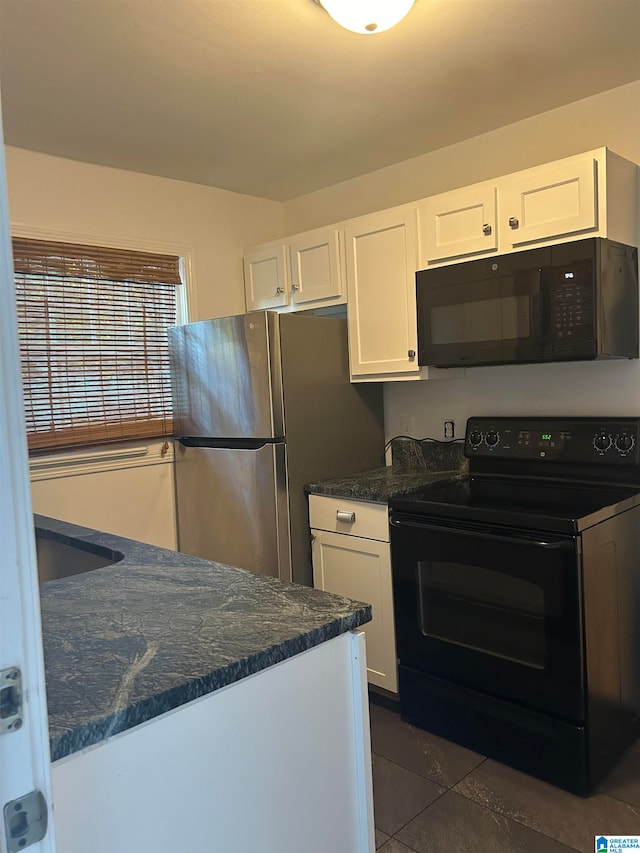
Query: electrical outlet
[449,429]
[407,425]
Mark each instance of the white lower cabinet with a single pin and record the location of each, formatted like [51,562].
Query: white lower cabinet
[352,557]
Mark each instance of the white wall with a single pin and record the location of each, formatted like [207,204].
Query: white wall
[133,500]
[612,119]
[99,202]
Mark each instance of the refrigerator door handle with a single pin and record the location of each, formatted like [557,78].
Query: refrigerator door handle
[230,443]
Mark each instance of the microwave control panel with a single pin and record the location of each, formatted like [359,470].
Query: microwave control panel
[577,440]
[572,306]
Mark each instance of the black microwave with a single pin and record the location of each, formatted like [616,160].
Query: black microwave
[566,302]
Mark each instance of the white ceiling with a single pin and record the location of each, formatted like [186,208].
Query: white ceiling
[272,98]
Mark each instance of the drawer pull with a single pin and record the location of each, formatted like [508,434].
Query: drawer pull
[343,515]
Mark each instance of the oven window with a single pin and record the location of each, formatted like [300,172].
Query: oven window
[482,609]
[505,318]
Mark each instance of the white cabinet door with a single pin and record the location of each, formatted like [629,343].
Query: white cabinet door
[361,569]
[458,223]
[265,281]
[316,274]
[549,201]
[381,262]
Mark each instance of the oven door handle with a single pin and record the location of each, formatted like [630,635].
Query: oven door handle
[562,544]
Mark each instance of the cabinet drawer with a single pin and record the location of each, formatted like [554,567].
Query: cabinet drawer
[357,518]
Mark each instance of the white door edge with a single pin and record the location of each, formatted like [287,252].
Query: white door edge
[24,752]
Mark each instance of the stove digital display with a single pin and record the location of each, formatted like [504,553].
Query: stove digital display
[532,440]
[551,440]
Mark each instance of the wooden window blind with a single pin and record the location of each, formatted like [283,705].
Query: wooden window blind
[92,327]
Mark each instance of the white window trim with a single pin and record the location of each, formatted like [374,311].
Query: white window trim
[106,458]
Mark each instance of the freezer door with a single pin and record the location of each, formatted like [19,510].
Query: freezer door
[232,506]
[226,377]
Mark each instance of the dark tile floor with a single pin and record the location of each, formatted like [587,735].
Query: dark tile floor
[433,796]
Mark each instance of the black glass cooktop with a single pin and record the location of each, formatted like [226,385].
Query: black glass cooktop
[526,503]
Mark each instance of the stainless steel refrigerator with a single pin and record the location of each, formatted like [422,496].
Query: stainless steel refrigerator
[263,405]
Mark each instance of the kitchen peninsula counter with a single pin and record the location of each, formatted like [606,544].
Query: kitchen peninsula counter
[132,640]
[184,695]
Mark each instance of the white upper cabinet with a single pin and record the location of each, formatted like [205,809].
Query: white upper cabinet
[588,195]
[303,271]
[458,223]
[381,261]
[265,277]
[549,201]
[371,261]
[316,273]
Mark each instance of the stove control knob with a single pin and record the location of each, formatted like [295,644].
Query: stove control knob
[475,437]
[624,442]
[492,438]
[602,441]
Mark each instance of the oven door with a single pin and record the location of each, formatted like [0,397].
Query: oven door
[493,609]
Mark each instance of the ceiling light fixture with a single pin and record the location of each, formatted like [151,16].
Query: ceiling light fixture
[367,16]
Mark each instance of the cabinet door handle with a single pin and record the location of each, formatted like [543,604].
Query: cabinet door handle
[295,287]
[486,229]
[344,515]
[513,222]
[279,290]
[411,353]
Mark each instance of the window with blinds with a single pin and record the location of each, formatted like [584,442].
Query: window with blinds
[92,326]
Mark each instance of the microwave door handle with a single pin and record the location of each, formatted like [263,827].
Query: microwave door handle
[545,308]
[563,544]
[533,282]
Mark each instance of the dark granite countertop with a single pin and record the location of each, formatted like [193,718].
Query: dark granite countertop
[415,464]
[127,642]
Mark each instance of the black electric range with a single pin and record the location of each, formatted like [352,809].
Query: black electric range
[517,596]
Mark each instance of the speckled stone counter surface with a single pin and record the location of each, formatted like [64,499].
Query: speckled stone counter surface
[127,642]
[414,464]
